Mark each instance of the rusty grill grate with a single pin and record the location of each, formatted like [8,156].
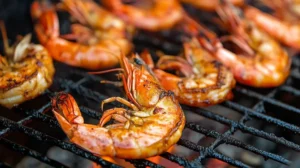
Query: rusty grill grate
[270,107]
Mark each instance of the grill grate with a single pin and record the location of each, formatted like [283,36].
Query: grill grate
[205,152]
[89,93]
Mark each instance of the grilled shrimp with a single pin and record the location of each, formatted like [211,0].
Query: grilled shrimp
[94,47]
[286,32]
[153,124]
[210,5]
[26,71]
[262,62]
[287,10]
[161,15]
[205,82]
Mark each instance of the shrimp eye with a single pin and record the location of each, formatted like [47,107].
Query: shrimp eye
[138,61]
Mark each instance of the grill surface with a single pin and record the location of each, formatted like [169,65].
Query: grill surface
[31,129]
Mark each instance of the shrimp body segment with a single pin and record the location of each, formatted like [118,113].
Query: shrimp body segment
[210,5]
[161,15]
[26,71]
[286,10]
[286,32]
[99,36]
[204,80]
[258,60]
[153,124]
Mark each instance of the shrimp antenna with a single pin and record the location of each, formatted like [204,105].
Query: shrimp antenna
[107,71]
[7,49]
[110,70]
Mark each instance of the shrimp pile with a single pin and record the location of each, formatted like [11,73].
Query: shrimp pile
[204,74]
[160,15]
[260,60]
[99,34]
[153,124]
[205,82]
[26,71]
[286,32]
[211,5]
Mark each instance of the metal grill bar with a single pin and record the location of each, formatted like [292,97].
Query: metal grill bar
[244,128]
[144,163]
[232,141]
[30,152]
[267,99]
[252,113]
[4,165]
[290,89]
[295,73]
[46,138]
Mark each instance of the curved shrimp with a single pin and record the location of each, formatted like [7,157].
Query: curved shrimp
[210,5]
[286,10]
[205,81]
[263,62]
[153,124]
[161,15]
[286,32]
[25,72]
[93,51]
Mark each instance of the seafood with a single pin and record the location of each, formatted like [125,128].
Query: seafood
[210,5]
[153,124]
[205,81]
[98,36]
[153,17]
[260,60]
[286,10]
[286,32]
[26,71]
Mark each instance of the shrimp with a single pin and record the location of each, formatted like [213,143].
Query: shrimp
[153,124]
[210,5]
[26,71]
[206,81]
[286,10]
[93,49]
[160,15]
[286,32]
[263,62]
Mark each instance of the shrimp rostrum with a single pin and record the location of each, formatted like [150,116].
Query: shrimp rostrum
[26,71]
[153,123]
[200,81]
[98,34]
[258,60]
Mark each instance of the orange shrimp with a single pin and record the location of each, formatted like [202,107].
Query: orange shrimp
[286,10]
[210,5]
[286,32]
[262,63]
[93,51]
[205,81]
[26,70]
[153,124]
[153,17]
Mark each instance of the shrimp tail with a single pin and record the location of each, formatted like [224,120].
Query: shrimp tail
[47,24]
[71,121]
